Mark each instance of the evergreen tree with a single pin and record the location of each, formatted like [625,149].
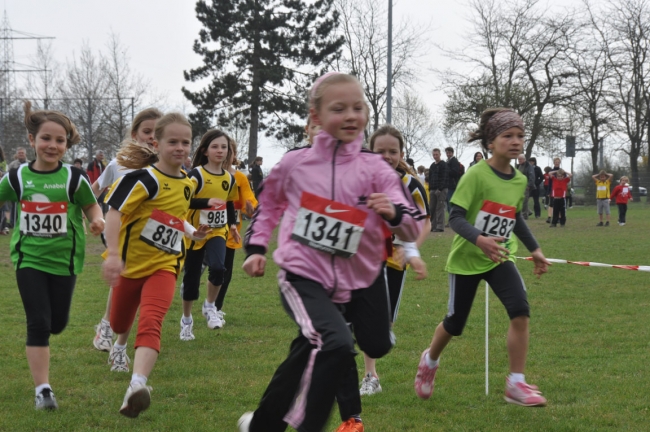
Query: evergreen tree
[258,56]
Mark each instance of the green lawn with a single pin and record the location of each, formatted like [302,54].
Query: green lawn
[589,348]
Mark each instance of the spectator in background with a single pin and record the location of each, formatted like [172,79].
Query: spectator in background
[438,183]
[19,158]
[187,165]
[421,174]
[453,170]
[96,167]
[256,174]
[478,156]
[539,187]
[603,182]
[529,172]
[410,162]
[78,163]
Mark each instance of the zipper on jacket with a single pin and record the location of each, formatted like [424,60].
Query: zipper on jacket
[336,149]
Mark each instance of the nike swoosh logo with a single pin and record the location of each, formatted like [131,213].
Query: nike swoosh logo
[329,209]
[502,211]
[172,222]
[42,208]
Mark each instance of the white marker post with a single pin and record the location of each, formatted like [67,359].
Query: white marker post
[487,334]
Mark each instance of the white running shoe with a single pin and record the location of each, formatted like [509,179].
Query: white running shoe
[369,385]
[118,360]
[186,331]
[211,315]
[136,400]
[45,400]
[244,421]
[103,337]
[220,314]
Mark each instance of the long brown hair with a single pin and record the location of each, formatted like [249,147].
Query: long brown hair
[142,116]
[35,119]
[392,131]
[199,157]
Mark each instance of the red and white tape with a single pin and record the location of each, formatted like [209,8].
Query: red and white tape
[594,264]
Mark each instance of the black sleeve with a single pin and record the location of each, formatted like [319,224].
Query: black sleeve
[230,213]
[199,203]
[522,231]
[461,225]
[454,171]
[443,176]
[431,180]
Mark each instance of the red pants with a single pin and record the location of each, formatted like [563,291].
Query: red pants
[153,295]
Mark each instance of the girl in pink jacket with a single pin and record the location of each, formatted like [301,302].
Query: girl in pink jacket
[338,203]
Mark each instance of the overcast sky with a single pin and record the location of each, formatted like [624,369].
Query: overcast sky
[159,35]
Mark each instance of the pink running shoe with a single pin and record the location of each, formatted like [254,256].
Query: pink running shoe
[524,394]
[424,378]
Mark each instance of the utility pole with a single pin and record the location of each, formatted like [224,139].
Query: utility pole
[389,66]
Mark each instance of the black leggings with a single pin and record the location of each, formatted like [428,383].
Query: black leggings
[227,276]
[506,283]
[46,299]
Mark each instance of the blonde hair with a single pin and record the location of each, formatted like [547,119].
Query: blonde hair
[35,119]
[134,155]
[320,86]
[143,116]
[561,172]
[602,173]
[626,178]
[232,151]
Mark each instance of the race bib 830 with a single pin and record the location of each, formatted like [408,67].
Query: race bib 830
[163,231]
[328,226]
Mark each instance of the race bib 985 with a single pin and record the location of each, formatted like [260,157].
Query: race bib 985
[40,219]
[496,220]
[328,226]
[163,231]
[215,216]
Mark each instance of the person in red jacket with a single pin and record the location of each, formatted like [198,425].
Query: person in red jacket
[96,166]
[621,194]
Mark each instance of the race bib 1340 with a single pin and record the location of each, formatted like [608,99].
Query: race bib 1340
[39,219]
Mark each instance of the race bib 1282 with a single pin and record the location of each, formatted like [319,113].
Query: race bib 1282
[328,226]
[496,220]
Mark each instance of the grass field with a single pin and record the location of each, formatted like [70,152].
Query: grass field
[590,333]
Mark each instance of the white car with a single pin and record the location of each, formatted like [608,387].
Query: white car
[643,191]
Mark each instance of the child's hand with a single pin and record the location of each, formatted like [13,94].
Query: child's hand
[235,233]
[541,263]
[202,231]
[419,267]
[380,204]
[97,226]
[249,208]
[216,202]
[254,265]
[112,268]
[492,249]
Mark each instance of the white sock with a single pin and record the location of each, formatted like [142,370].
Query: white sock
[516,378]
[431,363]
[41,387]
[187,320]
[119,347]
[206,304]
[137,378]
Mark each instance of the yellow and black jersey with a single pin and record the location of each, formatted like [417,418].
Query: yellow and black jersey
[153,206]
[419,197]
[210,185]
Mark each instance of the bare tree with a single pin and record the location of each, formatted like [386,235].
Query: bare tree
[624,29]
[415,121]
[124,91]
[362,23]
[84,90]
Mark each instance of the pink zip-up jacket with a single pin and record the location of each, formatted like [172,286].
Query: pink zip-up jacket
[346,174]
